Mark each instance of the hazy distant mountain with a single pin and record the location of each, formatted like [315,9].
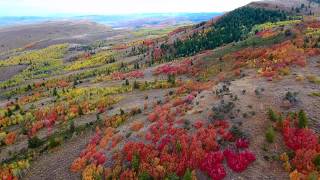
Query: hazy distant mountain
[119,21]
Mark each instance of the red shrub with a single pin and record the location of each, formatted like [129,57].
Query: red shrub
[238,162]
[99,157]
[242,143]
[303,160]
[186,66]
[198,124]
[212,164]
[10,138]
[300,138]
[152,117]
[129,75]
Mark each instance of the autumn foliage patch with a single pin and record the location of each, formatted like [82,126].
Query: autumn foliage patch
[304,142]
[271,61]
[168,149]
[128,75]
[187,66]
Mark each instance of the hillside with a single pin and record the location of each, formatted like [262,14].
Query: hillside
[53,32]
[235,97]
[302,7]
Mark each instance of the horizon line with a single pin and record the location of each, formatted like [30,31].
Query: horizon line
[114,14]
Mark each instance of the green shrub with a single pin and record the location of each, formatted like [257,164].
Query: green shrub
[127,82]
[272,115]
[55,92]
[316,161]
[172,177]
[187,175]
[144,176]
[270,135]
[53,142]
[135,161]
[34,142]
[136,85]
[72,127]
[291,154]
[178,146]
[302,119]
[317,94]
[313,79]
[171,78]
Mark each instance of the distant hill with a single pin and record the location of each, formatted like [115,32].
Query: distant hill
[53,32]
[119,21]
[17,32]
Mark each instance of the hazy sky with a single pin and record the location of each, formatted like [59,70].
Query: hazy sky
[47,7]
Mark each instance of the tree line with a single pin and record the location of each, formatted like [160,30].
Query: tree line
[232,27]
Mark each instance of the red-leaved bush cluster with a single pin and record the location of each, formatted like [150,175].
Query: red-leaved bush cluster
[267,33]
[129,75]
[93,152]
[186,66]
[275,59]
[242,143]
[212,164]
[239,162]
[168,148]
[296,138]
[174,149]
[305,144]
[178,151]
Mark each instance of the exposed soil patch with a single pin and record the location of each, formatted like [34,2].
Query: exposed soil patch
[56,165]
[7,72]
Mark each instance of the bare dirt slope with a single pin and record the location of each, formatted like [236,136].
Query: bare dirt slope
[48,33]
[8,72]
[55,165]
